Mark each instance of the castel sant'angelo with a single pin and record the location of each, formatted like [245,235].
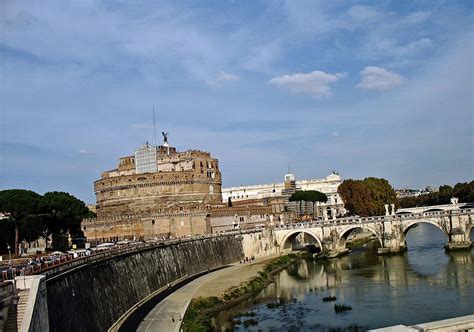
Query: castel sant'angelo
[161,192]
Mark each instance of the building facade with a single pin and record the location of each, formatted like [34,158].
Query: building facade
[159,180]
[334,206]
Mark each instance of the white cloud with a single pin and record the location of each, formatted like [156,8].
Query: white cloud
[226,77]
[223,77]
[316,83]
[83,151]
[379,79]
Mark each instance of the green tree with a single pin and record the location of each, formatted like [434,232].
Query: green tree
[60,242]
[20,204]
[308,196]
[464,191]
[65,213]
[33,227]
[381,193]
[297,196]
[7,233]
[356,197]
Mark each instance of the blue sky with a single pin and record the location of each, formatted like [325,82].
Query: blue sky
[369,88]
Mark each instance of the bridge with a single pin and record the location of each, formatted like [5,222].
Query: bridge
[445,207]
[330,236]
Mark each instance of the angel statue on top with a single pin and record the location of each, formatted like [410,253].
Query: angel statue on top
[165,137]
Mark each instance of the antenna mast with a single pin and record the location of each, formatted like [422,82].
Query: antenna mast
[154,124]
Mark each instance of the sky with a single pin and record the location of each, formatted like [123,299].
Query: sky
[369,88]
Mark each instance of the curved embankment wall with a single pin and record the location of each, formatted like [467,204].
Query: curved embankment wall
[93,296]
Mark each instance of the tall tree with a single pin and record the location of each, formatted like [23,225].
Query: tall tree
[65,213]
[356,197]
[20,204]
[297,196]
[381,193]
[308,196]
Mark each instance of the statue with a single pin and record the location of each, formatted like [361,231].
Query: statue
[165,137]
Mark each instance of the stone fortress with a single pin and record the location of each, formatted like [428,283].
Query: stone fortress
[161,192]
[159,179]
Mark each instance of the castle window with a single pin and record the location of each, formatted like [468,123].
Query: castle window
[153,221]
[211,189]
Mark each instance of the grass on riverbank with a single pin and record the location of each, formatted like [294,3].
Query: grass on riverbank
[201,310]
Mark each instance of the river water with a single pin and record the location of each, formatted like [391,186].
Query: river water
[423,284]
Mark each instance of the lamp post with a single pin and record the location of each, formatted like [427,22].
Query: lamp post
[10,264]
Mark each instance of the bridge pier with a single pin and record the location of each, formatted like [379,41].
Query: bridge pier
[460,226]
[451,246]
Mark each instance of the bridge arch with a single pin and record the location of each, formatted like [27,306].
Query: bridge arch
[345,232]
[293,234]
[406,227]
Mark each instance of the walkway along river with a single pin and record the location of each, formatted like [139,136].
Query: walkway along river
[423,284]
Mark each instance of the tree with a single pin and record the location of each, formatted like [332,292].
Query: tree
[297,196]
[65,213]
[33,227]
[463,191]
[356,197]
[308,196]
[7,233]
[20,204]
[381,193]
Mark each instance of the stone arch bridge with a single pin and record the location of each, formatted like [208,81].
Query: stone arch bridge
[390,230]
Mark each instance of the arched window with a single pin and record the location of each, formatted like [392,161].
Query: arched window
[211,189]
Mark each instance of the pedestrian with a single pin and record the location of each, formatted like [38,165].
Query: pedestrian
[172,319]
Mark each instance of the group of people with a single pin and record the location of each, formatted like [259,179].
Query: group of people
[247,259]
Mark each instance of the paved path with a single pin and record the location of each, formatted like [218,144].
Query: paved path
[165,315]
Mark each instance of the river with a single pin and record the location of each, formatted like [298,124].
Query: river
[423,284]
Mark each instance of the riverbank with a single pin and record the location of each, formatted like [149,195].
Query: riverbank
[165,316]
[202,309]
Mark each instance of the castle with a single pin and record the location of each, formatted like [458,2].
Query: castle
[159,179]
[160,192]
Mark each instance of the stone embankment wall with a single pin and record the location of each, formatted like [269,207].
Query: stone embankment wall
[91,297]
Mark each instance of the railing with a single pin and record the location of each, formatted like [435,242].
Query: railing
[51,269]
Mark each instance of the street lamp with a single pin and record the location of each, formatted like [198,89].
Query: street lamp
[10,264]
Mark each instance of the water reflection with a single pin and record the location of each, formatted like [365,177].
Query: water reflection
[423,284]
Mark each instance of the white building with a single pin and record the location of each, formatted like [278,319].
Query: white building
[327,186]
